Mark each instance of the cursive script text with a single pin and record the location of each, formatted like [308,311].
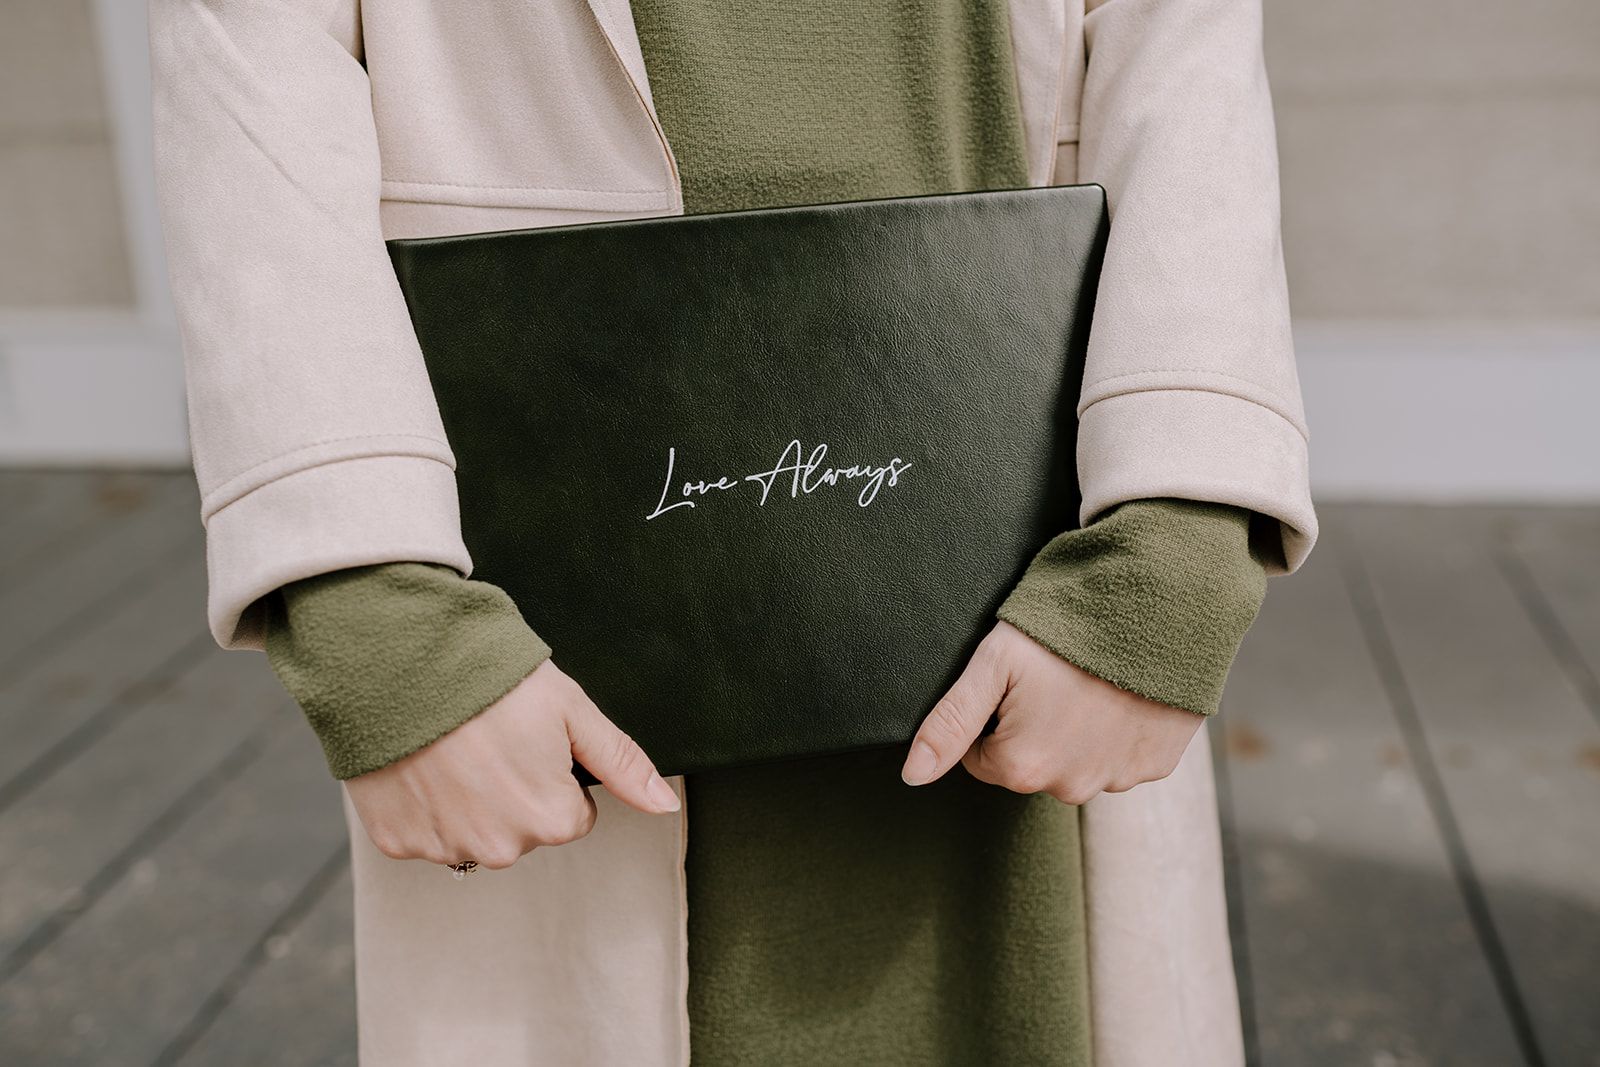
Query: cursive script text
[799,472]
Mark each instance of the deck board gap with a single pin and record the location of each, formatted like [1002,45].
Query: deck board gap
[324,878]
[129,700]
[1563,647]
[129,587]
[1391,673]
[161,827]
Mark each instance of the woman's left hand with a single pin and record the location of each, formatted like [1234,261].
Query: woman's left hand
[1061,730]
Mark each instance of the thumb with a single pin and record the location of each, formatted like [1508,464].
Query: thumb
[956,720]
[617,761]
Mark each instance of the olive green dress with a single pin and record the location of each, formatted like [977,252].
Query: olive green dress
[836,915]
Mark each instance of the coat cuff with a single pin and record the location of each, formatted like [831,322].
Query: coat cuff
[1199,444]
[347,513]
[1155,598]
[387,659]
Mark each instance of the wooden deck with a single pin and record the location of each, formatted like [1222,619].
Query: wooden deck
[1409,769]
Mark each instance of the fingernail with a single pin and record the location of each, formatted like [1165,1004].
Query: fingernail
[661,794]
[920,765]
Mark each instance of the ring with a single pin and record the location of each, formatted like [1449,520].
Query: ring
[462,869]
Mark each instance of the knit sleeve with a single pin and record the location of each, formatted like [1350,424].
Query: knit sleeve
[1155,597]
[387,658]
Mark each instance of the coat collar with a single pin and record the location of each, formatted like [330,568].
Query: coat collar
[615,18]
[1038,43]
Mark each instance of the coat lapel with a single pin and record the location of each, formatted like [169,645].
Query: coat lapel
[1038,40]
[615,18]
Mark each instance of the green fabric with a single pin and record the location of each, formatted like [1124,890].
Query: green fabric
[768,104]
[835,914]
[1154,596]
[388,658]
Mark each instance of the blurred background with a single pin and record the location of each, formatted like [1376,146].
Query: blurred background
[1409,755]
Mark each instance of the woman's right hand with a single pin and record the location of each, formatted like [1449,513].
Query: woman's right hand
[500,784]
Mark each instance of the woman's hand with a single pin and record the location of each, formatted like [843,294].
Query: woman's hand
[500,784]
[1061,730]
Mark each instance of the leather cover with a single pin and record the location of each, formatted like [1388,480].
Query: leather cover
[761,478]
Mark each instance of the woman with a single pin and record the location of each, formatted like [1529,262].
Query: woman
[806,913]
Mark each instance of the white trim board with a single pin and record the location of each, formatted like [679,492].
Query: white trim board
[100,389]
[1452,412]
[1398,411]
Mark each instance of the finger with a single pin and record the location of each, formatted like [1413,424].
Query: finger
[979,762]
[617,761]
[995,757]
[956,720]
[567,819]
[491,857]
[1008,763]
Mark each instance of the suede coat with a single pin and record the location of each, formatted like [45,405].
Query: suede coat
[293,137]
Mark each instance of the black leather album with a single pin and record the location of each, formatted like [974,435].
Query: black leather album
[761,478]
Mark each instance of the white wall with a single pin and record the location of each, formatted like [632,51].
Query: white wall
[1451,411]
[1441,220]
[90,370]
[1441,168]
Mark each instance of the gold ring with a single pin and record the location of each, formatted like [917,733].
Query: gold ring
[464,868]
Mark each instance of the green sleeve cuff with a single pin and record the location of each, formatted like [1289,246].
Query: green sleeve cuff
[1154,597]
[388,658]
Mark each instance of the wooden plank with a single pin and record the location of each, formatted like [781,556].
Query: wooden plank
[1551,556]
[98,670]
[1507,731]
[1358,946]
[42,603]
[51,512]
[32,499]
[20,492]
[117,796]
[306,976]
[145,960]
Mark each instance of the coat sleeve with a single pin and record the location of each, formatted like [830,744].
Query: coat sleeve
[316,440]
[1190,388]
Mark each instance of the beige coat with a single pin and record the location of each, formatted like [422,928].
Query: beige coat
[294,136]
